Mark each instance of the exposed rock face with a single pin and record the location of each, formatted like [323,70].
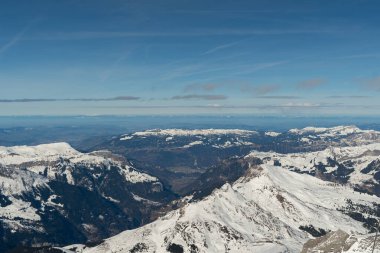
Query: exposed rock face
[334,242]
[342,242]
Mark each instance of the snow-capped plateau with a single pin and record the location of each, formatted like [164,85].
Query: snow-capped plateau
[269,209]
[184,132]
[197,136]
[272,134]
[332,131]
[46,153]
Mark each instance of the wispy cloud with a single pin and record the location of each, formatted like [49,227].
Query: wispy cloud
[359,56]
[239,12]
[311,83]
[13,41]
[348,96]
[372,83]
[17,38]
[279,97]
[260,66]
[200,97]
[106,74]
[121,98]
[219,67]
[82,35]
[27,100]
[202,87]
[304,105]
[221,47]
[31,100]
[260,89]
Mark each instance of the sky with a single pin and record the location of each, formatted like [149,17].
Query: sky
[140,57]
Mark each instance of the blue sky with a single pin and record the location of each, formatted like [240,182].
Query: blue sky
[273,57]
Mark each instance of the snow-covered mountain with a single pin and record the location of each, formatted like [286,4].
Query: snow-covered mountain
[334,136]
[358,166]
[269,209]
[55,160]
[55,194]
[332,131]
[287,191]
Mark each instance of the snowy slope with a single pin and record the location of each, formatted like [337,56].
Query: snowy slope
[260,212]
[343,164]
[13,183]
